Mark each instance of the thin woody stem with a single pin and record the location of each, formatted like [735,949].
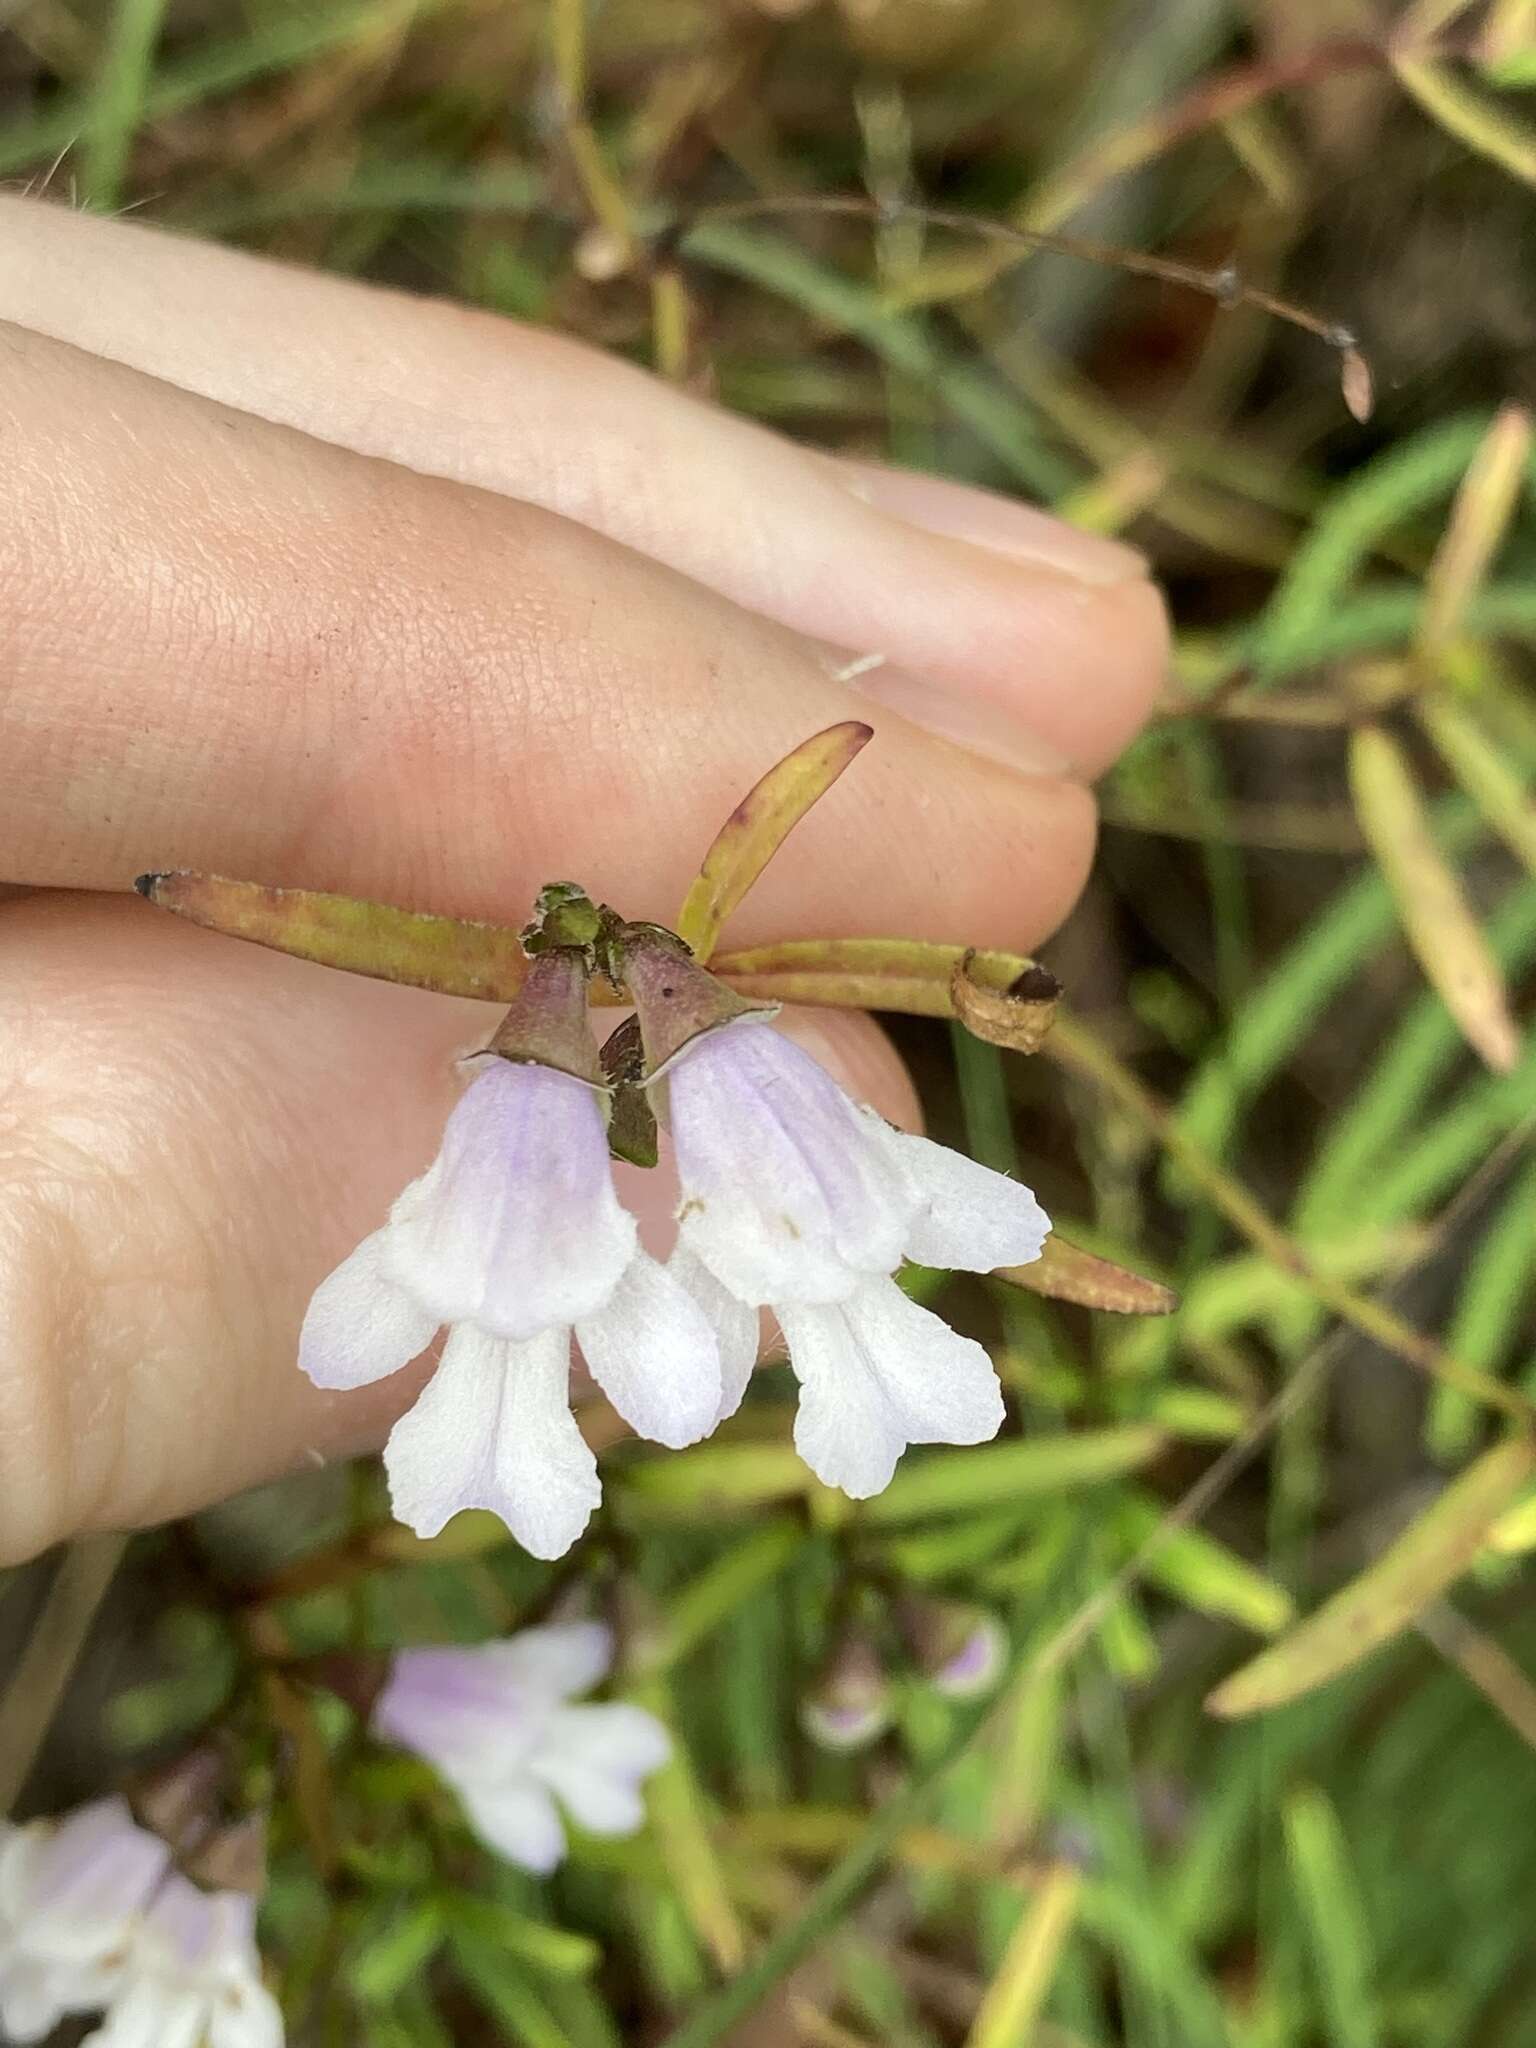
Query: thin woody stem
[1224,284]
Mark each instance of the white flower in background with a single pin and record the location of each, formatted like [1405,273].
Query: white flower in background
[497,1722]
[194,1977]
[92,1916]
[514,1238]
[71,1894]
[797,1199]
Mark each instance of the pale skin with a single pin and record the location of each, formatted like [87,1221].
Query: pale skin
[329,587]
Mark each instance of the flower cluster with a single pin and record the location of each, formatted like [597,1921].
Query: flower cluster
[794,1198]
[497,1722]
[94,1918]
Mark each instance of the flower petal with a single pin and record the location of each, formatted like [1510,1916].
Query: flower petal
[734,1323]
[516,1225]
[652,1351]
[788,1194]
[153,2014]
[942,1386]
[477,1710]
[878,1373]
[34,1997]
[559,1660]
[246,2016]
[595,1759]
[361,1326]
[518,1820]
[845,1428]
[89,1882]
[494,1430]
[973,1219]
[458,1708]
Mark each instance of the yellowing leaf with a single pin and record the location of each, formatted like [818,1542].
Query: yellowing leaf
[1065,1272]
[1008,2012]
[758,827]
[1441,929]
[1482,124]
[1483,770]
[450,955]
[1478,519]
[1385,1598]
[913,976]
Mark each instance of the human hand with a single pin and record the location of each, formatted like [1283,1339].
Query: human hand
[323,586]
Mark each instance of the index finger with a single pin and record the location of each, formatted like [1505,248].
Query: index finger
[230,646]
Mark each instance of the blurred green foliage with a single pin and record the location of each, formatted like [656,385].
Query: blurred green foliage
[1275,1109]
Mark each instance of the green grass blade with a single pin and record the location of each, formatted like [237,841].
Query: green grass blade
[1330,1903]
[117,101]
[1497,1287]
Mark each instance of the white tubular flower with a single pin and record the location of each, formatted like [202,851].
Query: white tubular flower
[71,1895]
[797,1199]
[92,1916]
[515,1238]
[194,1977]
[498,1724]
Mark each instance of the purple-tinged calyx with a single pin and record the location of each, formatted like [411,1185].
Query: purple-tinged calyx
[960,1648]
[851,1706]
[675,999]
[547,1025]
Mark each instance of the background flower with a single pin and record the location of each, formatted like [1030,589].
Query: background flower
[498,1722]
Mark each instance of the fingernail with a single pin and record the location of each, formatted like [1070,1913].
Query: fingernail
[987,520]
[982,725]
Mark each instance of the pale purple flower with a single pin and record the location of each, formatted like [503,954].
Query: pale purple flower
[93,1917]
[796,1198]
[975,1667]
[514,1237]
[497,1721]
[851,1706]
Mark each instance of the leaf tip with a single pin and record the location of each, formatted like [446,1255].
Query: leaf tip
[1358,385]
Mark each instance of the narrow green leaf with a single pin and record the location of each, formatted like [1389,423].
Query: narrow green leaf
[1379,497]
[996,1475]
[505,1993]
[994,414]
[1498,1284]
[1201,1572]
[117,104]
[393,1949]
[758,827]
[1384,1599]
[452,956]
[697,1609]
[1329,1896]
[488,1923]
[285,43]
[716,1479]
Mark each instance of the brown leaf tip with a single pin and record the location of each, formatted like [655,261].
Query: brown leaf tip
[1358,385]
[1035,985]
